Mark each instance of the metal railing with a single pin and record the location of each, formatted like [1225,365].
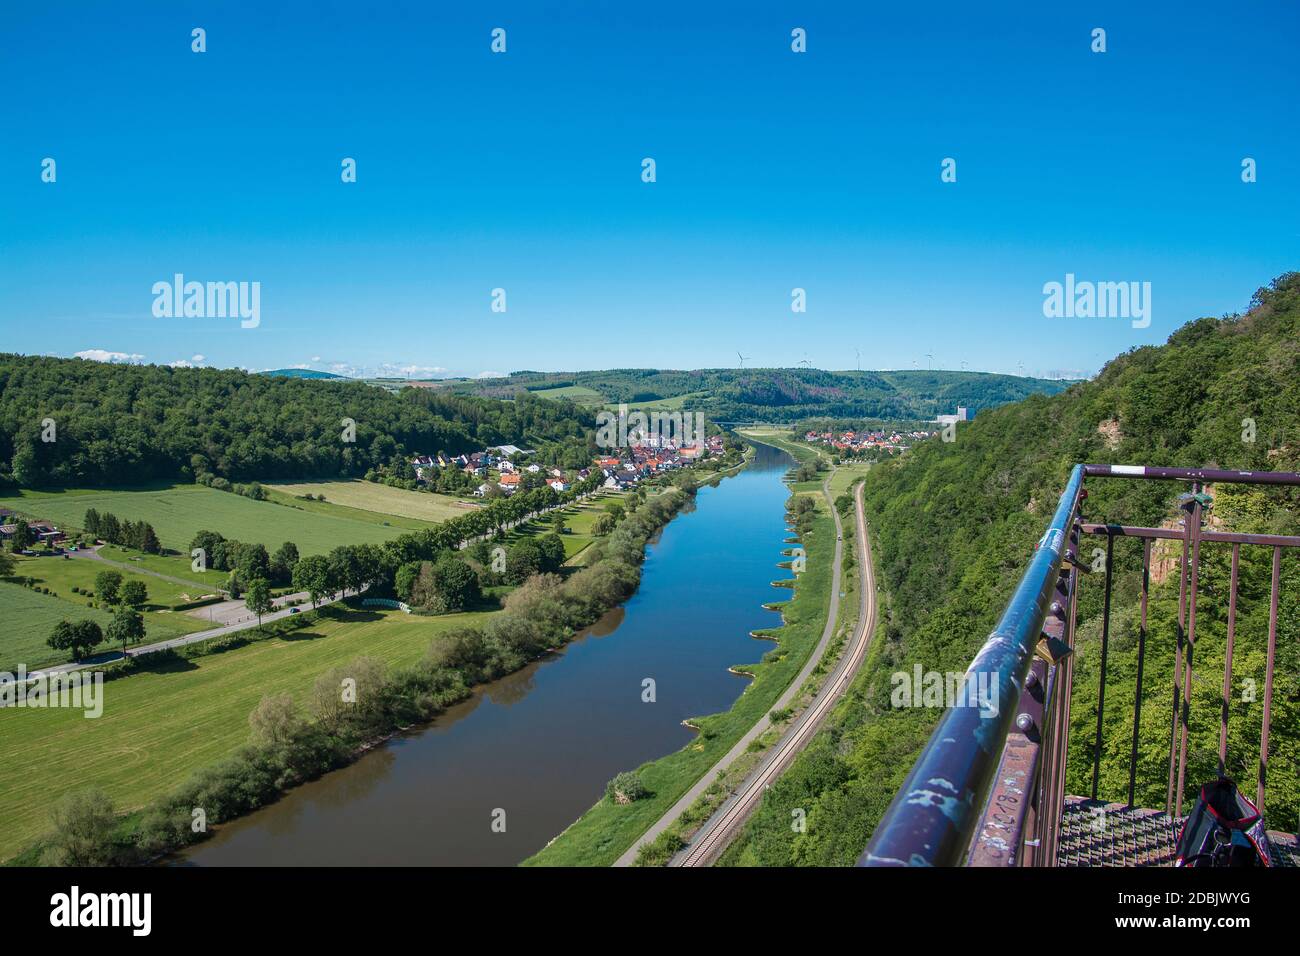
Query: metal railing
[988,790]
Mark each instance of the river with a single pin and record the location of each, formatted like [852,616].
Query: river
[535,749]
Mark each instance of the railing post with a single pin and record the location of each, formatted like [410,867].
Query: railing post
[1268,679]
[1101,679]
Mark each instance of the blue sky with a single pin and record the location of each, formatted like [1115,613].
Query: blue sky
[522,171]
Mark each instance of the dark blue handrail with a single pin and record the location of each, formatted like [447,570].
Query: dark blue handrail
[933,817]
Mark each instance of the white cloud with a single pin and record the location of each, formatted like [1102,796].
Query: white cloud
[491,375]
[103,355]
[191,362]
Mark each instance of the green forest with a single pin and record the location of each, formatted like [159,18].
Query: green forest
[72,422]
[787,394]
[953,527]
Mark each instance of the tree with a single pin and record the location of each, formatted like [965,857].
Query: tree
[615,510]
[253,562]
[312,574]
[23,536]
[26,468]
[603,525]
[107,585]
[6,564]
[134,593]
[127,627]
[456,583]
[75,637]
[282,563]
[149,542]
[275,721]
[258,598]
[91,523]
[82,835]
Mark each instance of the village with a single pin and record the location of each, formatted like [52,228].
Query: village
[505,468]
[889,441]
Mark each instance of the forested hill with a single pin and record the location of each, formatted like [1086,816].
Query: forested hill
[954,525]
[780,394]
[117,424]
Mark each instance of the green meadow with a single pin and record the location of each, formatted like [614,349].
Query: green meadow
[159,726]
[177,512]
[28,623]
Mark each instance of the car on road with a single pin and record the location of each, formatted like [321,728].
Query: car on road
[293,610]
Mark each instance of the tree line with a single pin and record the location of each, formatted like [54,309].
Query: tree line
[74,422]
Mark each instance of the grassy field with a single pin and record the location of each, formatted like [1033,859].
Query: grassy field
[177,512]
[25,634]
[578,394]
[173,565]
[28,618]
[378,499]
[157,727]
[602,833]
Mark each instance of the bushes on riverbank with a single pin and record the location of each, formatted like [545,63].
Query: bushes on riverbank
[354,706]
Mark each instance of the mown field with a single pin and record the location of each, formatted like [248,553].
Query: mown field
[22,638]
[177,512]
[380,499]
[176,566]
[26,620]
[157,727]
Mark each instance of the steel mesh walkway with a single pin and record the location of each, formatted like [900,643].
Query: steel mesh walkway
[1110,834]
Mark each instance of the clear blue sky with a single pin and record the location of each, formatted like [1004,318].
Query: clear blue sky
[522,171]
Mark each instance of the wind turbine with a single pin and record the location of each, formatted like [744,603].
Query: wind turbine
[742,359]
[929,361]
[963,366]
[858,353]
[1021,366]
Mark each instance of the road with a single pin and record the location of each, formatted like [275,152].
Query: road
[717,832]
[107,658]
[761,727]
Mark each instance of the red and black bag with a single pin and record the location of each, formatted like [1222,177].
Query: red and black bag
[1223,829]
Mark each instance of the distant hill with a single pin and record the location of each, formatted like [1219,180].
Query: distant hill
[776,394]
[300,373]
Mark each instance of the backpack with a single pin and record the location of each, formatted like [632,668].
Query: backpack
[1223,829]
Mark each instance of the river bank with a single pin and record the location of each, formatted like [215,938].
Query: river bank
[605,831]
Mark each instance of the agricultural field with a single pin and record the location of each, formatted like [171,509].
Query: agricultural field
[578,394]
[26,620]
[177,512]
[159,726]
[61,576]
[379,499]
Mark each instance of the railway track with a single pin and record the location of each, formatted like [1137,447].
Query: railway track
[716,833]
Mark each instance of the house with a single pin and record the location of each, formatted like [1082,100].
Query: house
[509,483]
[507,467]
[558,484]
[534,469]
[482,490]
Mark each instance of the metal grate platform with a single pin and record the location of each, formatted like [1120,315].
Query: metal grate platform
[1111,834]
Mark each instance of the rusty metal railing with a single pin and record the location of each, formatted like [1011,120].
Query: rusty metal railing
[988,790]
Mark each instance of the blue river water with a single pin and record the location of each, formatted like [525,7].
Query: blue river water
[536,748]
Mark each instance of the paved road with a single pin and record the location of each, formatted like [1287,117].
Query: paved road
[718,831]
[107,658]
[691,795]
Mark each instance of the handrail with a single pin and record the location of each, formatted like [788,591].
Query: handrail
[931,820]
